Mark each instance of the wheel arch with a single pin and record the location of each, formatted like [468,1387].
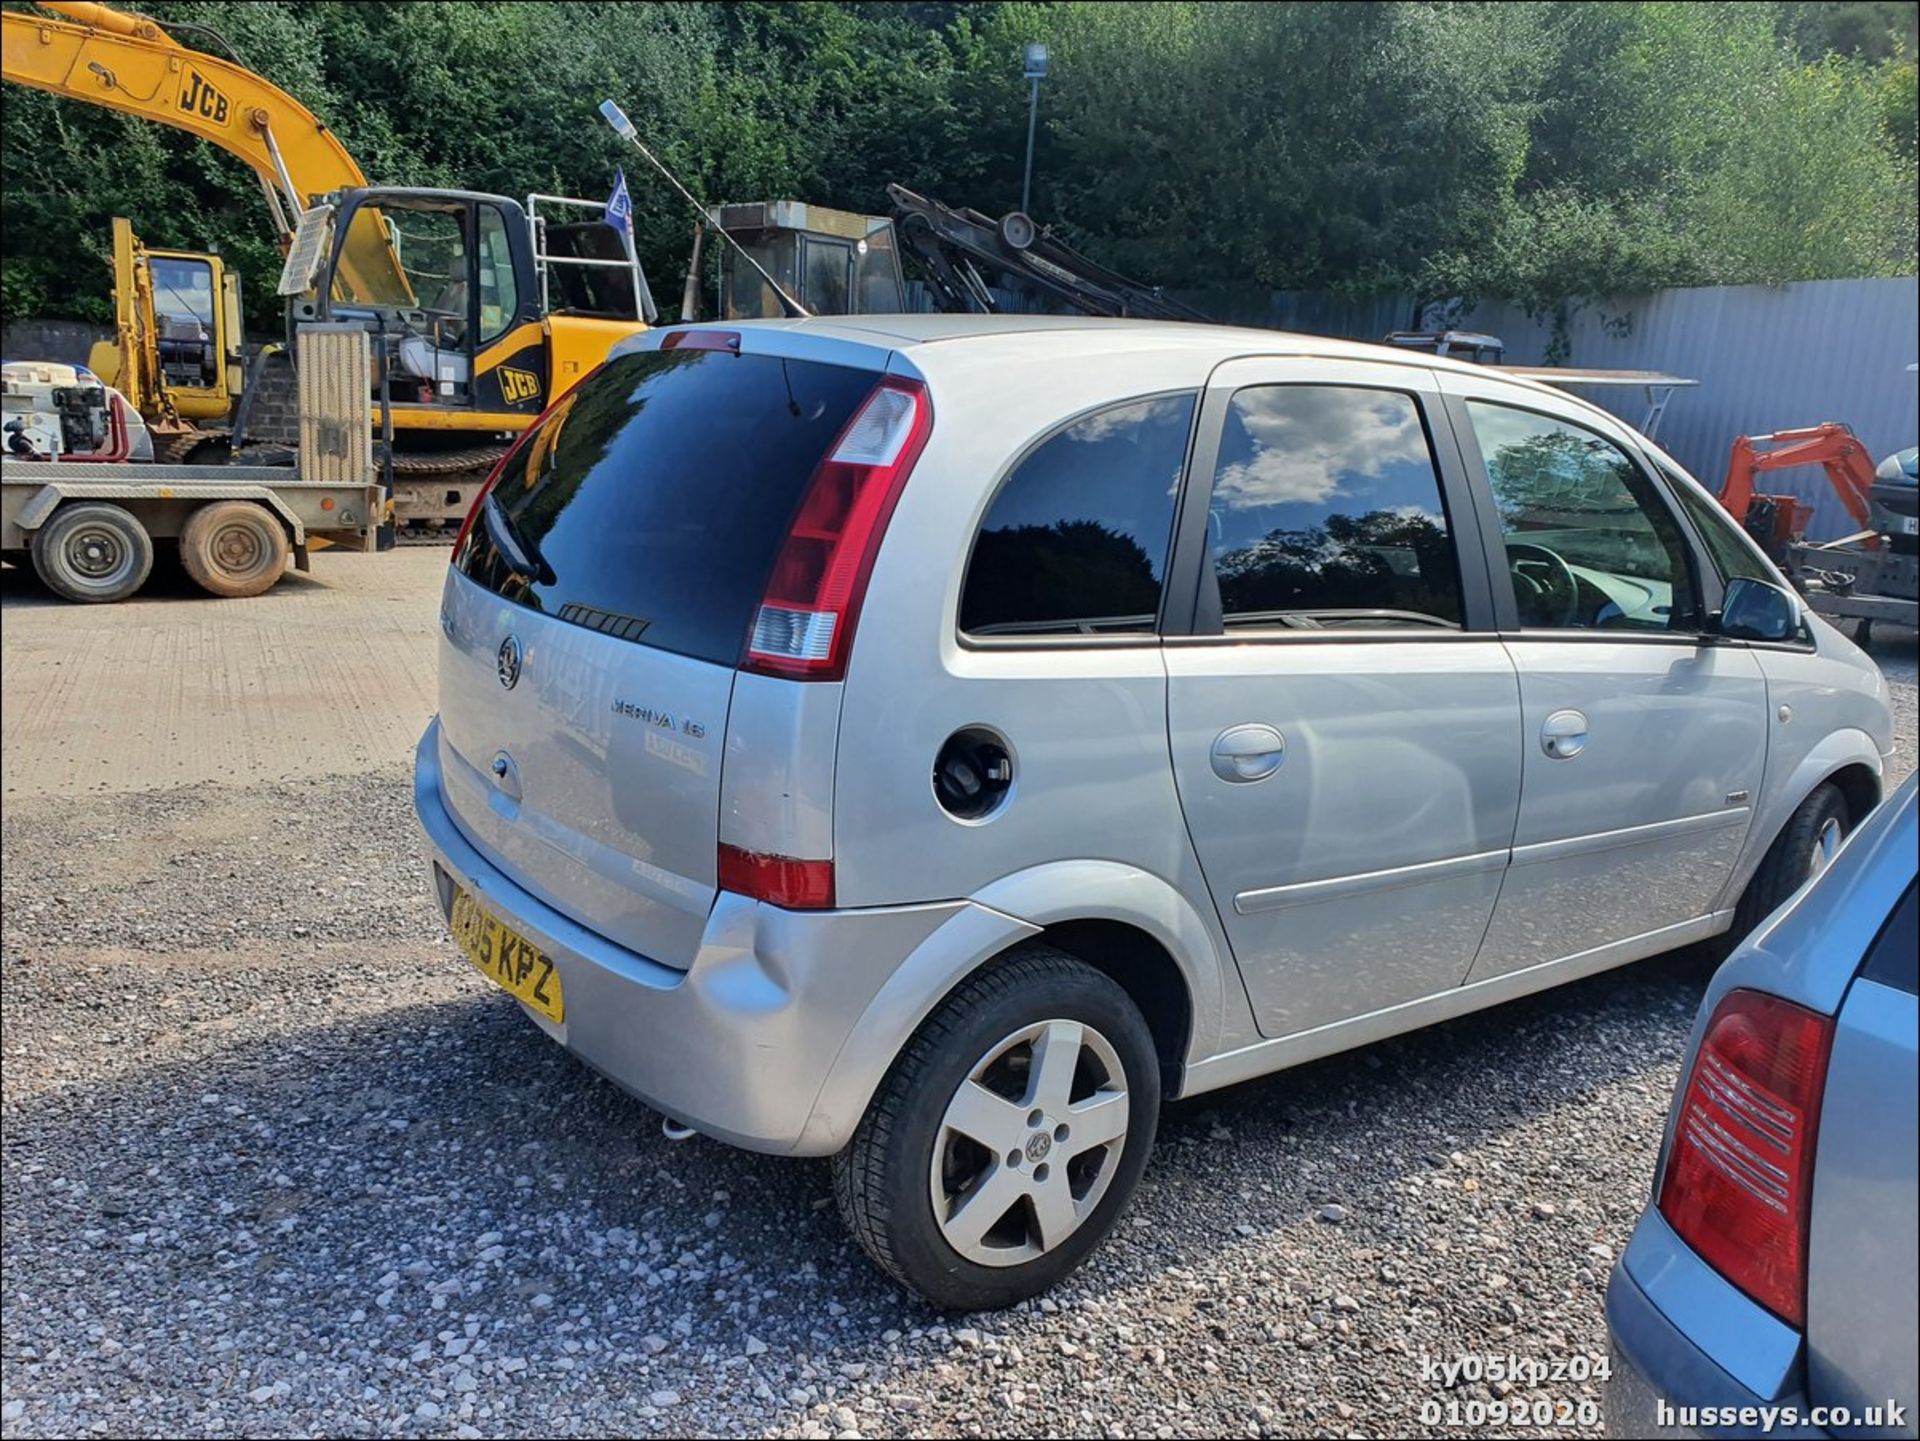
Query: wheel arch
[1847,758]
[1129,924]
[1861,787]
[1145,969]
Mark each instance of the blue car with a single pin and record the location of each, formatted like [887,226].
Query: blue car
[1770,1287]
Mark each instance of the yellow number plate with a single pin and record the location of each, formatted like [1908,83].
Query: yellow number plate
[511,962]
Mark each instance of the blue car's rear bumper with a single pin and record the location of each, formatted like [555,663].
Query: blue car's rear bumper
[1729,1355]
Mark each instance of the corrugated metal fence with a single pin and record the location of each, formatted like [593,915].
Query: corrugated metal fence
[1767,358]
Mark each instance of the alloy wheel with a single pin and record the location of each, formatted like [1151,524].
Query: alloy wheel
[1029,1143]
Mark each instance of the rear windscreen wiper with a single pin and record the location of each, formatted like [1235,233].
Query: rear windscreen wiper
[519,552]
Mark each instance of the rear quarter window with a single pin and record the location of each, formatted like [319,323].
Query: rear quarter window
[1895,957]
[658,492]
[1075,542]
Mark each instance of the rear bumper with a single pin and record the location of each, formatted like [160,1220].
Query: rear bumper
[1701,1380]
[773,1039]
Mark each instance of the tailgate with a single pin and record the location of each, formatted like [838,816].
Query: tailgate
[595,780]
[595,613]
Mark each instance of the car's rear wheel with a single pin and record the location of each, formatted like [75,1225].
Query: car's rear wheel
[1804,848]
[1009,1134]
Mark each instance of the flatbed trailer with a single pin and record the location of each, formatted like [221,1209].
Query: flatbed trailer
[1841,580]
[89,528]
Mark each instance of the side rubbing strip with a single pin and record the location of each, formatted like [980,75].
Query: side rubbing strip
[1561,850]
[1275,898]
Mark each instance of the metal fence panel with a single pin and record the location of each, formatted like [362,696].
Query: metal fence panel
[1767,358]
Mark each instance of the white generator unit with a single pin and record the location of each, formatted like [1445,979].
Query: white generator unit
[63,412]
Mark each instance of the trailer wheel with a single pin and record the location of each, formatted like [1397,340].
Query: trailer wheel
[93,553]
[234,548]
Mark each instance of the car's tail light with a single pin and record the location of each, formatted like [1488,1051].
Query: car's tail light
[724,340]
[804,627]
[1741,1167]
[778,880]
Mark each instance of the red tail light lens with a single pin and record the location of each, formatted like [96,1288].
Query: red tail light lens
[727,340]
[1741,1169]
[804,627]
[778,880]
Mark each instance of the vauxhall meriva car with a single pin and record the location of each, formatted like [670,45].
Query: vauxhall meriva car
[930,741]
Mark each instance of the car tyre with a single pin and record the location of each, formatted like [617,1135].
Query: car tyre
[986,1068]
[93,553]
[1800,852]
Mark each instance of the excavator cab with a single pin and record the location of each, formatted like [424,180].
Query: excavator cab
[484,311]
[486,307]
[177,351]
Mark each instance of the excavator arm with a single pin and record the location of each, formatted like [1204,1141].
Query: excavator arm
[1776,519]
[128,63]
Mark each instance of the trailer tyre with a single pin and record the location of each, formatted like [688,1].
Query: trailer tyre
[234,548]
[93,553]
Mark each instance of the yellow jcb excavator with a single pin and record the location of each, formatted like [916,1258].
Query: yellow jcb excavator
[484,309]
[177,351]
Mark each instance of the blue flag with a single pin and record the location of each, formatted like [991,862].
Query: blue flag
[619,212]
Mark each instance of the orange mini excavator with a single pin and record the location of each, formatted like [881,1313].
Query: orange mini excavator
[1870,575]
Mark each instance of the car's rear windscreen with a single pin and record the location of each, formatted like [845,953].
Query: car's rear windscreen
[650,504]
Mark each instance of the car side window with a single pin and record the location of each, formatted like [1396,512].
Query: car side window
[1590,543]
[1076,541]
[1326,513]
[1727,545]
[1895,958]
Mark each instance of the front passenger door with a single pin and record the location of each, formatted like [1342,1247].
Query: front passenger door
[1643,740]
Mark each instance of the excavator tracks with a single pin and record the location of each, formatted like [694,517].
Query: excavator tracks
[433,491]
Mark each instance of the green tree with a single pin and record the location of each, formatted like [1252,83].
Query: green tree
[1527,150]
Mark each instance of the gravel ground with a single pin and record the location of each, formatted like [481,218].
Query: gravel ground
[276,1162]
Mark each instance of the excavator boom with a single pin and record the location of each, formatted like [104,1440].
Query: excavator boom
[1775,520]
[128,63]
[483,310]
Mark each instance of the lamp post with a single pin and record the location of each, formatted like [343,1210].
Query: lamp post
[1036,70]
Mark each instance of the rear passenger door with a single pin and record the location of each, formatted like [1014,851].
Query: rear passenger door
[1644,738]
[1344,724]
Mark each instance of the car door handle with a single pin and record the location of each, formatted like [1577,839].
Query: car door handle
[1564,735]
[1248,753]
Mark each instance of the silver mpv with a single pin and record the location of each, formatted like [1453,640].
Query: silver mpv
[930,741]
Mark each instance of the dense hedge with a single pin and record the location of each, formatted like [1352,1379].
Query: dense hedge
[1524,150]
